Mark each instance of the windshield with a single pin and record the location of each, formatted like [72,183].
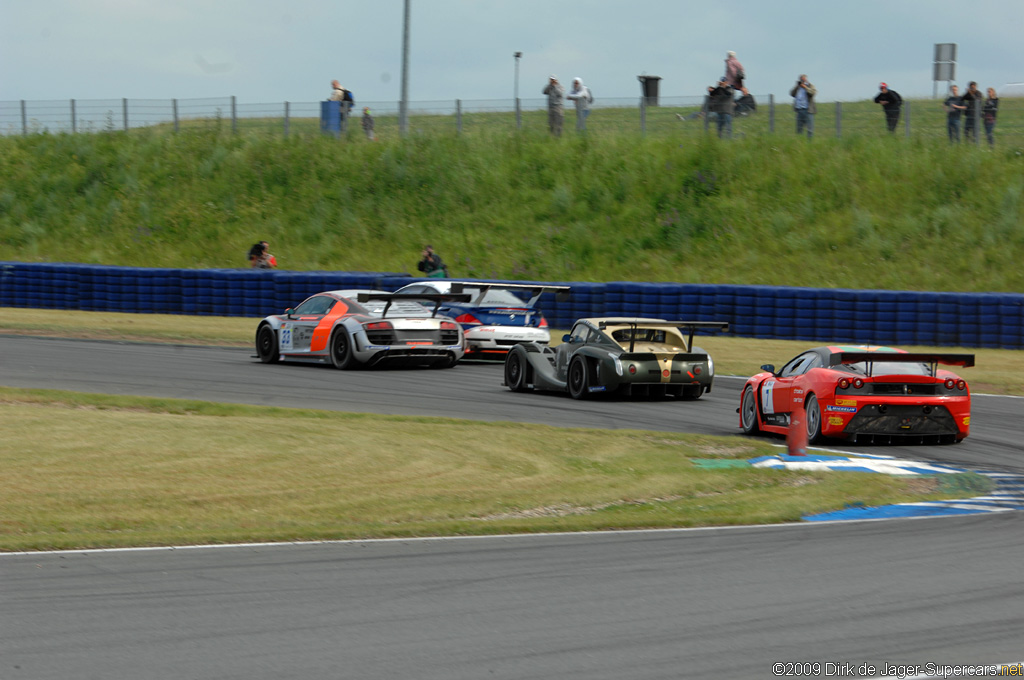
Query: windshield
[891,368]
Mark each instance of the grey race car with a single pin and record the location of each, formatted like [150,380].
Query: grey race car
[349,328]
[632,356]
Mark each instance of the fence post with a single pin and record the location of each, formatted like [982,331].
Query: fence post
[24,119]
[839,120]
[458,116]
[519,115]
[287,118]
[234,114]
[124,112]
[906,119]
[174,112]
[643,115]
[771,113]
[73,128]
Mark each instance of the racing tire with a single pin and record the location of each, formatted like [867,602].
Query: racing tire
[266,344]
[517,372]
[448,361]
[748,411]
[578,379]
[341,350]
[812,414]
[692,392]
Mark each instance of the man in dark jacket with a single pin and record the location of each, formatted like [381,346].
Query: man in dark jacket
[720,103]
[431,265]
[891,102]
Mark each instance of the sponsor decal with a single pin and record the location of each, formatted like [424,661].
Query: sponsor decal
[841,409]
[846,402]
[598,388]
[767,390]
[286,338]
[967,421]
[798,390]
[835,420]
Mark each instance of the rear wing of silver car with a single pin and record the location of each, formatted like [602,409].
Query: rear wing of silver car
[932,359]
[436,298]
[689,327]
[534,289]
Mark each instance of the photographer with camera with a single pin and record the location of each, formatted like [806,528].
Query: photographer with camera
[803,104]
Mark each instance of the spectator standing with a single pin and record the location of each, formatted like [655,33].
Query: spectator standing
[431,265]
[368,124]
[973,100]
[803,105]
[891,102]
[954,109]
[581,96]
[721,104]
[556,108]
[734,73]
[340,94]
[988,114]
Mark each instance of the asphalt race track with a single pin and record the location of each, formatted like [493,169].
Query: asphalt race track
[714,603]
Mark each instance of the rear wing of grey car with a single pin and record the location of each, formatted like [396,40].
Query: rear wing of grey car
[436,298]
[932,359]
[689,327]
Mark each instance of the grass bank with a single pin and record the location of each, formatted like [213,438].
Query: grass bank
[89,471]
[869,211]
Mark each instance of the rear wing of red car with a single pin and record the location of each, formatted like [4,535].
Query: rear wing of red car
[534,289]
[436,298]
[933,359]
[690,327]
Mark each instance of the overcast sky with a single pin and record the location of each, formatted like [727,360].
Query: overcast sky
[289,50]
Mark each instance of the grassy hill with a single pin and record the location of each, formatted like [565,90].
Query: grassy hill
[865,211]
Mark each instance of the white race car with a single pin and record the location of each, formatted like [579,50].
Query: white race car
[349,328]
[494,318]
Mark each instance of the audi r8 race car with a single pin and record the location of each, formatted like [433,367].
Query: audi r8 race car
[494,318]
[630,356]
[349,328]
[864,394]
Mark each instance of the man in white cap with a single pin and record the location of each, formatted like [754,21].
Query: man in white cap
[556,112]
[580,95]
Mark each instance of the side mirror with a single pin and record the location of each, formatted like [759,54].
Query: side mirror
[566,338]
[288,312]
[769,367]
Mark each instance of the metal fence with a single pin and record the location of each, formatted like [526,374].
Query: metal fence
[678,116]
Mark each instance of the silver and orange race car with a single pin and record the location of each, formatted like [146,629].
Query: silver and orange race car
[351,328]
[862,393]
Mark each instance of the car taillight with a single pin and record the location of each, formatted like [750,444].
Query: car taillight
[468,320]
[632,369]
[449,326]
[844,383]
[961,384]
[697,370]
[858,383]
[950,383]
[379,326]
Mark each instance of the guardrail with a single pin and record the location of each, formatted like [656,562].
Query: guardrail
[882,317]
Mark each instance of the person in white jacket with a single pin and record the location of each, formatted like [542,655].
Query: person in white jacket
[580,95]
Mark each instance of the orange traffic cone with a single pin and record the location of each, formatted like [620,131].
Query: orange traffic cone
[796,438]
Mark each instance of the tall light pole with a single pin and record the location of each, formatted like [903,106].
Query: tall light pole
[517,55]
[403,105]
[519,118]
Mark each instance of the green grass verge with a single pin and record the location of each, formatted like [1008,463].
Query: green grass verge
[93,471]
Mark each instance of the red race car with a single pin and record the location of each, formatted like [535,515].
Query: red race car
[864,394]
